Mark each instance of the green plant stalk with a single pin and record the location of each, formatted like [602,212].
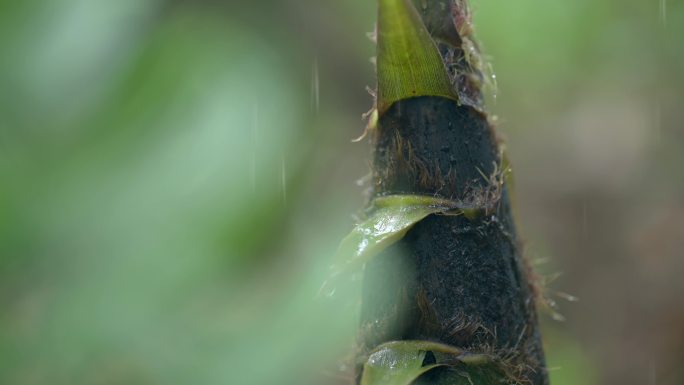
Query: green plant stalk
[458,280]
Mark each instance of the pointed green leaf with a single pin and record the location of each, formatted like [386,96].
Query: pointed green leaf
[401,362]
[392,218]
[408,63]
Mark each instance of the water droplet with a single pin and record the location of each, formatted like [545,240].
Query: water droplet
[558,317]
[315,87]
[658,122]
[283,179]
[253,159]
[567,297]
[364,180]
[493,84]
[327,289]
[585,226]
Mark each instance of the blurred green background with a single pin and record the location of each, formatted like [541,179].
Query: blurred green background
[175,176]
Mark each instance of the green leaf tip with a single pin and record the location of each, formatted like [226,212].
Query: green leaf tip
[391,218]
[400,362]
[408,62]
